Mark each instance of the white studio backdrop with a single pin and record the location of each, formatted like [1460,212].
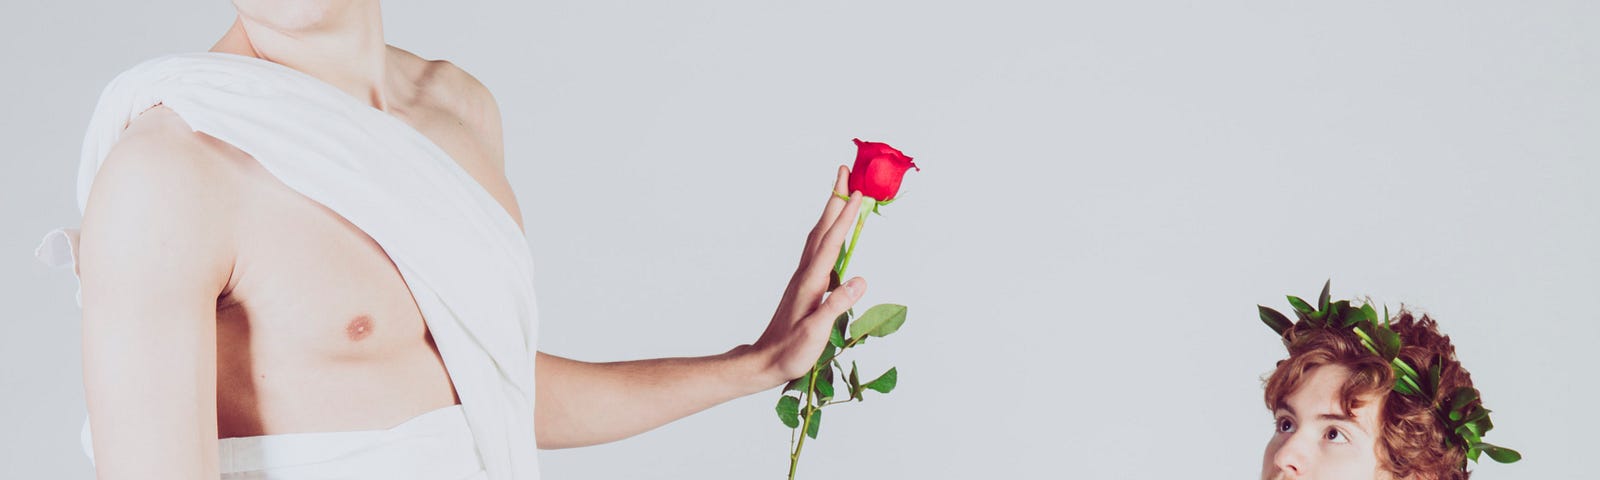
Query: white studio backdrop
[1107,191]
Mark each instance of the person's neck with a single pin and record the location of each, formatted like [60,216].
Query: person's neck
[349,53]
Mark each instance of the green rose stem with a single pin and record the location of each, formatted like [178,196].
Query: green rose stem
[844,260]
[794,458]
[867,205]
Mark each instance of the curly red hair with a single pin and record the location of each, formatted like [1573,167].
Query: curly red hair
[1412,439]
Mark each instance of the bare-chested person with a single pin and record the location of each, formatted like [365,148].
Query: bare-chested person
[220,303]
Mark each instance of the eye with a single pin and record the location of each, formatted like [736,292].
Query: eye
[1285,425]
[1335,436]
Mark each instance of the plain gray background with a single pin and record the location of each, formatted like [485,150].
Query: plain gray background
[1107,192]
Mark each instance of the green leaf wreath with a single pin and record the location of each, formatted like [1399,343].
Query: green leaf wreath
[1460,411]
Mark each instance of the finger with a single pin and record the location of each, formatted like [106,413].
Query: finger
[830,211]
[838,301]
[815,279]
[828,247]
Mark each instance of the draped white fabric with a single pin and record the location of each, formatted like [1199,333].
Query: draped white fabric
[462,255]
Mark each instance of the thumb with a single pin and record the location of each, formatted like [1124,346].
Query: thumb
[842,298]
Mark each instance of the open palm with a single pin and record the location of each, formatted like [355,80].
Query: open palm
[799,329]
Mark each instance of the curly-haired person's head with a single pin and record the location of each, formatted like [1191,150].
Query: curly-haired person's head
[1337,416]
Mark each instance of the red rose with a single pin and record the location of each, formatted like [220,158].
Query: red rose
[878,170]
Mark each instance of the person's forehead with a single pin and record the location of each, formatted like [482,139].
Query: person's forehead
[1319,389]
[1321,393]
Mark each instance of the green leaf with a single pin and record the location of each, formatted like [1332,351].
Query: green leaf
[1388,343]
[1300,305]
[880,320]
[1322,300]
[789,411]
[836,335]
[1348,315]
[816,423]
[799,384]
[855,382]
[827,354]
[1470,436]
[825,384]
[1366,338]
[1499,454]
[1478,420]
[1272,318]
[884,383]
[1337,312]
[1459,399]
[1403,385]
[1369,314]
[1403,369]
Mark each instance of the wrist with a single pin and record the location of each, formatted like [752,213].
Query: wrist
[753,372]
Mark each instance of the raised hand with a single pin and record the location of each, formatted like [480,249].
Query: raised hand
[799,329]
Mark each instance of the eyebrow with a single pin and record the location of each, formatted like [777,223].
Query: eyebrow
[1333,417]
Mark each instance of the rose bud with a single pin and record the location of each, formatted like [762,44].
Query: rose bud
[878,170]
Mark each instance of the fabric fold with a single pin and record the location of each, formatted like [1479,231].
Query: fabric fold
[462,255]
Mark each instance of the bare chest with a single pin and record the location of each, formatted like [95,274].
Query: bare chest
[308,277]
[317,321]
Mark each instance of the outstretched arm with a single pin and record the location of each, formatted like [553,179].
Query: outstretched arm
[581,403]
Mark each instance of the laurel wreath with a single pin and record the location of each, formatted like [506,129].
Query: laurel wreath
[1461,410]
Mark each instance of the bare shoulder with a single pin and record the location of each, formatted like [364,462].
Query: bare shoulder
[446,85]
[159,154]
[462,117]
[457,83]
[163,194]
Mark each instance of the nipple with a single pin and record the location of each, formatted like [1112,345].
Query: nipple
[359,328]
